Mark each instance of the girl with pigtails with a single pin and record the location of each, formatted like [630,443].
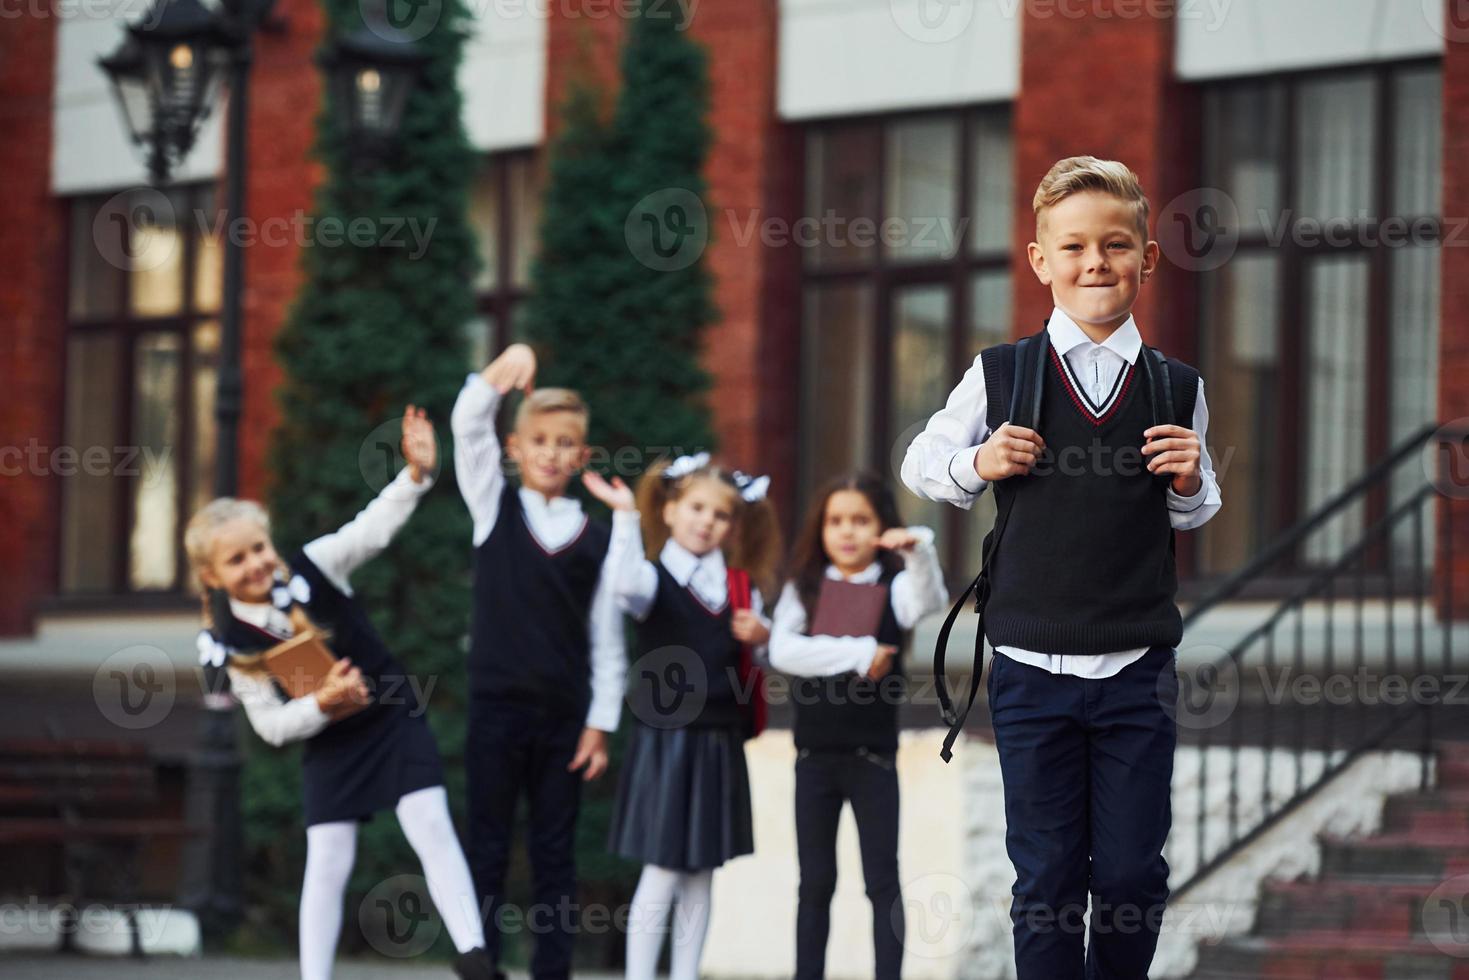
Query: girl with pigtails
[683,800]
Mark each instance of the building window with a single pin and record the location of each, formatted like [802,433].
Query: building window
[1301,333]
[906,277]
[143,294]
[505,212]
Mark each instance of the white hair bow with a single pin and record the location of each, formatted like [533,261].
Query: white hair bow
[212,653]
[752,488]
[284,593]
[685,465]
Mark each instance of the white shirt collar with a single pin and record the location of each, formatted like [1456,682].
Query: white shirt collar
[705,574]
[1065,335]
[262,615]
[867,576]
[555,507]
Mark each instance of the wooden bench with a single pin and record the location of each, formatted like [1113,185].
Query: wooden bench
[98,804]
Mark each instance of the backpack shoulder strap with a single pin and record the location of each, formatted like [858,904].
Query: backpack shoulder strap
[1016,371]
[1175,388]
[998,364]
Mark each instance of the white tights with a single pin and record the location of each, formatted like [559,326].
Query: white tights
[658,888]
[331,849]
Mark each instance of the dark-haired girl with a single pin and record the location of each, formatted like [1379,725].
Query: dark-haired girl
[846,702]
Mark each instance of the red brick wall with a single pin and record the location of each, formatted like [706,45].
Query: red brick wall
[32,243]
[1100,84]
[752,173]
[284,99]
[1453,403]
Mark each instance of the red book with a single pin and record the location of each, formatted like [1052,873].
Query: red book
[848,609]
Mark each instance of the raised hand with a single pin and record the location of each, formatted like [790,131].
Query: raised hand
[514,368]
[617,495]
[897,539]
[420,448]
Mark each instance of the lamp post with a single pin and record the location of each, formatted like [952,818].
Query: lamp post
[165,76]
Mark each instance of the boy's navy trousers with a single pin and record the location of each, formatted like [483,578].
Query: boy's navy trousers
[514,751]
[1087,766]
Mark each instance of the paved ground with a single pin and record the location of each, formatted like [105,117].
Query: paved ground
[174,968]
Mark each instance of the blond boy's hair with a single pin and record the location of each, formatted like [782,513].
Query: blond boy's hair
[542,401]
[1074,175]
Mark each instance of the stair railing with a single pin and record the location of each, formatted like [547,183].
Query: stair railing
[1271,733]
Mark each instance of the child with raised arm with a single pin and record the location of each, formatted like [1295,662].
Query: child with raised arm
[368,743]
[1102,462]
[683,798]
[546,659]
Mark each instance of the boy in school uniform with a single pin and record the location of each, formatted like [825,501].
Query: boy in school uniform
[547,663]
[1081,581]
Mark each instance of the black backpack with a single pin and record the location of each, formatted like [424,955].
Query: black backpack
[1172,390]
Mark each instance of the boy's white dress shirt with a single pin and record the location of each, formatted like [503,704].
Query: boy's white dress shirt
[939,464]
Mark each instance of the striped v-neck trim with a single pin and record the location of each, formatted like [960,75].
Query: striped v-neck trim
[1096,414]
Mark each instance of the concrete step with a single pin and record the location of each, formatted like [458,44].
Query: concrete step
[1402,855]
[1387,908]
[1329,955]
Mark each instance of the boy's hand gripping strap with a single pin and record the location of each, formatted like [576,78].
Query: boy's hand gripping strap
[1025,410]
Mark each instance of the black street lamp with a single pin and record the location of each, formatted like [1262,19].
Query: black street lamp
[165,76]
[370,73]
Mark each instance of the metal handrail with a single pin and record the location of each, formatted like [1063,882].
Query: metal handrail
[1324,585]
[1293,536]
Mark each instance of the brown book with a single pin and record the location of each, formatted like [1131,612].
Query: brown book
[848,609]
[301,664]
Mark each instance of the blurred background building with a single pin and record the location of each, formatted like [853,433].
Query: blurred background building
[833,346]
[868,208]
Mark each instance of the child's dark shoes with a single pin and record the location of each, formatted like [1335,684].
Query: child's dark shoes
[477,965]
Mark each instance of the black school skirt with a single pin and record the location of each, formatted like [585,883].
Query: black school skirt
[362,764]
[683,798]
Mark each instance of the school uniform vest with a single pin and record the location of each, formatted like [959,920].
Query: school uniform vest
[1087,561]
[846,712]
[351,635]
[530,629]
[686,673]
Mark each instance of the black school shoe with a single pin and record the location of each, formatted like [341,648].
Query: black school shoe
[477,965]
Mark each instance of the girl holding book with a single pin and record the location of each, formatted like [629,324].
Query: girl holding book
[860,582]
[368,745]
[683,800]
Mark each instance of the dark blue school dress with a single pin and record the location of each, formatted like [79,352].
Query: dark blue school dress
[683,798]
[369,760]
